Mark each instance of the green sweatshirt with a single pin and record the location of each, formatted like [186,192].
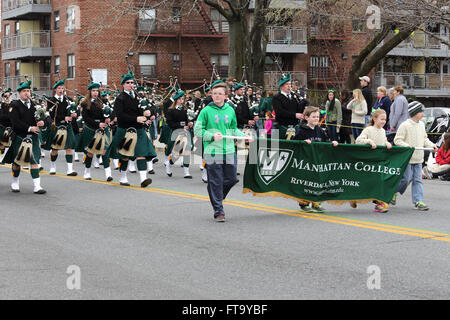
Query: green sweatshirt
[213,119]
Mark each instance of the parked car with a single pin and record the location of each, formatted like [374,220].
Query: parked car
[437,120]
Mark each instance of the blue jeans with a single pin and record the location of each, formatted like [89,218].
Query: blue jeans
[332,132]
[413,173]
[355,131]
[221,178]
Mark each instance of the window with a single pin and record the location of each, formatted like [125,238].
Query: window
[57,63]
[147,20]
[7,30]
[70,66]
[176,14]
[358,26]
[176,61]
[17,71]
[221,61]
[319,67]
[219,22]
[7,69]
[47,66]
[147,65]
[56,20]
[17,27]
[70,28]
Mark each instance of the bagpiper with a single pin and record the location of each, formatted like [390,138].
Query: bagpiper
[61,134]
[96,135]
[131,141]
[5,122]
[25,149]
[178,122]
[288,111]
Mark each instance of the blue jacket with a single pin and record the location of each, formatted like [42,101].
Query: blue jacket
[385,104]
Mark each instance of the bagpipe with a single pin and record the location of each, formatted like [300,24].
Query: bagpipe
[7,137]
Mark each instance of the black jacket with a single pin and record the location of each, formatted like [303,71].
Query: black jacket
[242,112]
[92,117]
[176,119]
[61,112]
[167,104]
[4,115]
[316,134]
[22,118]
[127,110]
[367,93]
[285,109]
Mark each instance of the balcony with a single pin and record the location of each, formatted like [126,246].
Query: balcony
[327,75]
[40,83]
[287,40]
[271,79]
[421,45]
[25,9]
[422,85]
[330,31]
[26,45]
[188,28]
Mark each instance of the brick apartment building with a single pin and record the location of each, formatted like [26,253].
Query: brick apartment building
[42,37]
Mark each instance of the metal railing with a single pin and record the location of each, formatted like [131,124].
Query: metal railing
[286,35]
[271,79]
[424,41]
[150,26]
[14,4]
[31,39]
[429,81]
[40,82]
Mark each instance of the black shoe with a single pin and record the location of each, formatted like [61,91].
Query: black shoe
[188,177]
[146,182]
[15,190]
[116,168]
[52,173]
[87,178]
[72,174]
[238,174]
[126,184]
[41,191]
[220,218]
[41,168]
[205,181]
[151,172]
[134,171]
[155,160]
[109,179]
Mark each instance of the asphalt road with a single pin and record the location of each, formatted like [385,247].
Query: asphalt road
[162,243]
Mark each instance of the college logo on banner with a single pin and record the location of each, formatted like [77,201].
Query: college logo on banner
[272,163]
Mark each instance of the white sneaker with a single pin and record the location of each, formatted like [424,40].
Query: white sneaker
[427,174]
[205,176]
[37,186]
[187,175]
[87,174]
[168,168]
[52,168]
[108,174]
[15,185]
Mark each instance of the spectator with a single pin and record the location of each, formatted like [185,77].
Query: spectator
[399,109]
[359,110]
[383,102]
[367,93]
[345,131]
[391,94]
[334,115]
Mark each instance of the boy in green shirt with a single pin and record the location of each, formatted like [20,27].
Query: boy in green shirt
[216,120]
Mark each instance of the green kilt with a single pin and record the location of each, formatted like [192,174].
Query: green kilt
[86,136]
[171,143]
[49,134]
[14,149]
[144,146]
[152,131]
[166,132]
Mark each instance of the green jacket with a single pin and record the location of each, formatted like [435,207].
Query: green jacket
[213,119]
[334,115]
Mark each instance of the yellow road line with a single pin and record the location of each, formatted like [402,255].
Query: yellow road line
[266,208]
